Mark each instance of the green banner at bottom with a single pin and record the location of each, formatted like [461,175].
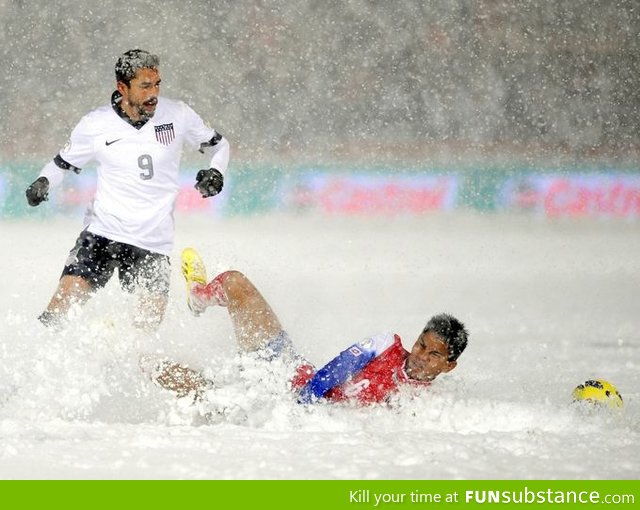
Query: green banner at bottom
[325,495]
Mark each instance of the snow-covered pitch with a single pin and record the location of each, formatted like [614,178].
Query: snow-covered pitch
[548,306]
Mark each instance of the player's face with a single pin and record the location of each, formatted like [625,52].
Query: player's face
[428,358]
[140,98]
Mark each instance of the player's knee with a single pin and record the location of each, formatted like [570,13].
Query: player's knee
[235,283]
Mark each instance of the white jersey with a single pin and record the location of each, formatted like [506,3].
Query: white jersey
[137,170]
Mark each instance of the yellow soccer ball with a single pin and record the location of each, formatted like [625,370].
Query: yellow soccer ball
[599,393]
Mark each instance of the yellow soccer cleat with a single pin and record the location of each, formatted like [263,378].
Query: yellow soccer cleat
[195,274]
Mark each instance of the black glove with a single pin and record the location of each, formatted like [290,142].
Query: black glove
[38,191]
[209,182]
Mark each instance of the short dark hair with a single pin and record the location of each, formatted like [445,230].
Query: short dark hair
[452,332]
[131,61]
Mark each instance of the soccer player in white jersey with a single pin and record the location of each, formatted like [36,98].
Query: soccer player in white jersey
[137,142]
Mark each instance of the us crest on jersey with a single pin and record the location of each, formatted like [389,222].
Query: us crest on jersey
[165,133]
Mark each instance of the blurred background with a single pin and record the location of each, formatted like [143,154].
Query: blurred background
[354,106]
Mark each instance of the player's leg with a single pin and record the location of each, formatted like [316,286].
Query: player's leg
[88,267]
[172,376]
[254,321]
[147,274]
[71,290]
[149,312]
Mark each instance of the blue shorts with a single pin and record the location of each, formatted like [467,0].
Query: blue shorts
[95,258]
[280,347]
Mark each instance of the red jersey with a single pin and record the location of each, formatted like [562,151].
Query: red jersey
[367,372]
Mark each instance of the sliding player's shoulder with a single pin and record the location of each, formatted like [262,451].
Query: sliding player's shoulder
[377,343]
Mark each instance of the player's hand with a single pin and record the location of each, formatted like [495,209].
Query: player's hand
[209,182]
[38,191]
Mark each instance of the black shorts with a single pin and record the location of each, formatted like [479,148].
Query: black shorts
[95,258]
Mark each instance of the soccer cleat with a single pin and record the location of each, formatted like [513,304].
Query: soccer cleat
[195,275]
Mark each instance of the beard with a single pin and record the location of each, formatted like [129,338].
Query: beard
[146,109]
